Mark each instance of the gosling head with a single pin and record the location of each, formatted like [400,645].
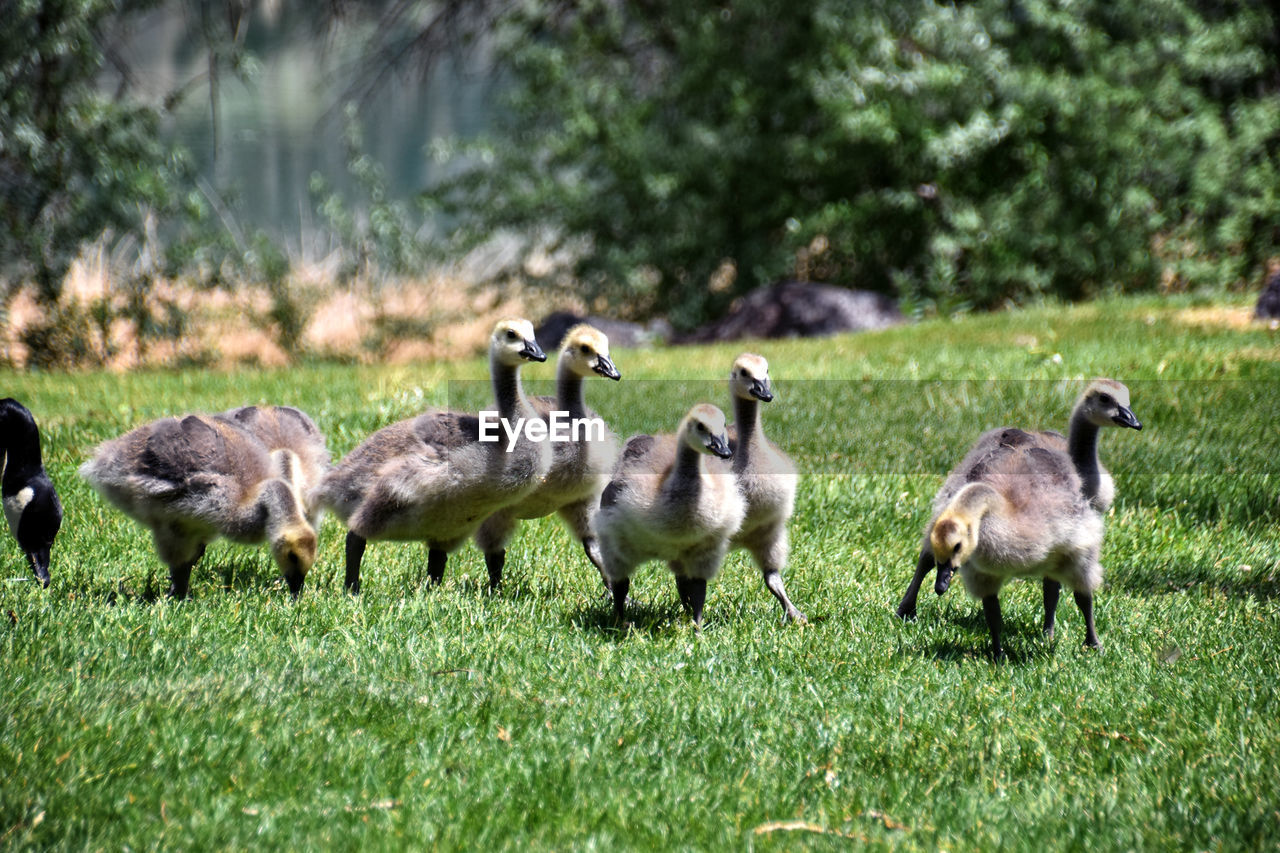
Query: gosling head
[749,379]
[954,536]
[703,429]
[513,343]
[1105,403]
[585,350]
[294,550]
[293,540]
[953,539]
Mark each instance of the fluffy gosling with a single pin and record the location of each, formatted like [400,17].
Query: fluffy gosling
[430,478]
[1103,403]
[765,475]
[665,503]
[192,479]
[579,468]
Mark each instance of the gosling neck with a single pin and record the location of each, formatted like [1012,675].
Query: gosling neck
[1082,445]
[976,500]
[569,391]
[507,392]
[687,470]
[746,413]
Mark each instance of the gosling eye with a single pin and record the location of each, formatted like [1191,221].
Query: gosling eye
[1106,400]
[511,335]
[584,349]
[701,427]
[956,550]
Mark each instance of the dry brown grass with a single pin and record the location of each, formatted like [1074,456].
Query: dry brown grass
[438,316]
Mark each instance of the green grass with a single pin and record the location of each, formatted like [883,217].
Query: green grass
[451,718]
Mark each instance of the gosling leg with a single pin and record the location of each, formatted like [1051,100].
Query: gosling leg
[1052,589]
[907,609]
[493,561]
[1085,602]
[180,576]
[697,597]
[355,556]
[685,591]
[435,566]
[771,557]
[773,581]
[991,610]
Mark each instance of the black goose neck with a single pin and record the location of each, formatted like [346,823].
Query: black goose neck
[1082,445]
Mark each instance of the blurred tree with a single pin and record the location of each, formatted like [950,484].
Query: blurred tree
[73,163]
[667,156]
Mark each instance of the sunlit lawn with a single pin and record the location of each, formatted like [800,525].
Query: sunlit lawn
[454,718]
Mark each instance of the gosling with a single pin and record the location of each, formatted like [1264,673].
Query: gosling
[580,467]
[193,479]
[431,478]
[1026,517]
[1104,403]
[31,504]
[665,503]
[765,476]
[287,428]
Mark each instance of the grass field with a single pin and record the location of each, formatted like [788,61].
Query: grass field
[451,718]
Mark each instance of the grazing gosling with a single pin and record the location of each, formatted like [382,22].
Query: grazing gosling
[665,503]
[1104,403]
[580,467]
[192,479]
[287,428]
[430,478]
[31,504]
[766,477]
[1026,517]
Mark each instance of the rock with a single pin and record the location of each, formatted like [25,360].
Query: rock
[798,309]
[1268,307]
[553,327]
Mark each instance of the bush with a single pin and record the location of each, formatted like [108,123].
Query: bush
[668,156]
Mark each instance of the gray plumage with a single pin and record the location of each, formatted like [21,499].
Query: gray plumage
[1103,403]
[287,428]
[579,469]
[430,478]
[664,502]
[195,478]
[765,476]
[1027,505]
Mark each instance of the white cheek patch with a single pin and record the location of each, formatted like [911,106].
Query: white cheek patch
[15,504]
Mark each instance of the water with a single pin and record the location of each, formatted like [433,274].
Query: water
[286,123]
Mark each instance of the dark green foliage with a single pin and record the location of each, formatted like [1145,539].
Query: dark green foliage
[73,163]
[673,155]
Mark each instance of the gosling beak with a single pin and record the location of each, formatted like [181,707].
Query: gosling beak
[943,581]
[761,391]
[1125,418]
[294,579]
[294,575]
[533,352]
[719,445]
[39,561]
[605,368]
